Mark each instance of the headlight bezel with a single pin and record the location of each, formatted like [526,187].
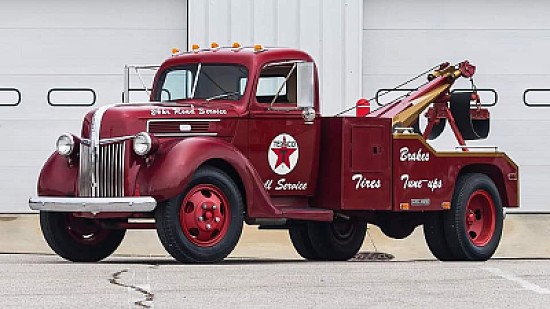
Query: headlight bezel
[142,144]
[69,144]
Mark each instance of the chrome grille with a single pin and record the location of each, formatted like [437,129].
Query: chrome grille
[108,172]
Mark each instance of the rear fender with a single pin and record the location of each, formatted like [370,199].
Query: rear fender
[174,165]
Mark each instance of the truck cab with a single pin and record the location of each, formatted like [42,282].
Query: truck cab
[234,135]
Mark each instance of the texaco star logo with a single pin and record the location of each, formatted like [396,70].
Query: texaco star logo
[283,154]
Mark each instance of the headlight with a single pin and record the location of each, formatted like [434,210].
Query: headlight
[142,143]
[65,144]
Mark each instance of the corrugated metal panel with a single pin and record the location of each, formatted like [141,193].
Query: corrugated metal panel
[329,30]
[507,40]
[69,44]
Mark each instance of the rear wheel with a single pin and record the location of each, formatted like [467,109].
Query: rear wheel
[299,236]
[79,239]
[472,229]
[339,240]
[474,226]
[204,223]
[435,237]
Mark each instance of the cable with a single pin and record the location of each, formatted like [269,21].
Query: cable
[392,89]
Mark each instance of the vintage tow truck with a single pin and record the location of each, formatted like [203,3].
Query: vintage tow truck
[234,134]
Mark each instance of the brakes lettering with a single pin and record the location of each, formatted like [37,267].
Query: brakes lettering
[418,156]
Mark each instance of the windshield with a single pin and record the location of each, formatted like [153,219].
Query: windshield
[203,81]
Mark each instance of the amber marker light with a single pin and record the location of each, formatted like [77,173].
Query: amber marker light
[446,205]
[175,51]
[404,206]
[258,48]
[195,47]
[236,45]
[214,45]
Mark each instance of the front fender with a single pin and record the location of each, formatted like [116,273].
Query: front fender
[175,164]
[57,178]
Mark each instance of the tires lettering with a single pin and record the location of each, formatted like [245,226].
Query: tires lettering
[363,183]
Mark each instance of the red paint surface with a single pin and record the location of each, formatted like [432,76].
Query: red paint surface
[347,163]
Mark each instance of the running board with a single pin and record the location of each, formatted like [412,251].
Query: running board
[307,213]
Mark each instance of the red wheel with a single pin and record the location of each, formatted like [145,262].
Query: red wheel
[471,230]
[480,218]
[205,215]
[203,223]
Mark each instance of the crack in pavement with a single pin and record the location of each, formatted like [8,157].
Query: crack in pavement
[115,279]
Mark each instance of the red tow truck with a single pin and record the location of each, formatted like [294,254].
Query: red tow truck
[234,135]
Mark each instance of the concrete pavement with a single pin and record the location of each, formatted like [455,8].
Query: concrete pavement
[47,281]
[525,236]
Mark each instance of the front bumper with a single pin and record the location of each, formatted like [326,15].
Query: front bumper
[93,204]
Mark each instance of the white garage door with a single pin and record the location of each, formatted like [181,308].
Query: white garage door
[509,43]
[59,59]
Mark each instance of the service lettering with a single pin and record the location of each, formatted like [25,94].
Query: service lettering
[208,111]
[282,184]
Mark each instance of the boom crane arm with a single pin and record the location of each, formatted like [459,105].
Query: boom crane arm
[406,111]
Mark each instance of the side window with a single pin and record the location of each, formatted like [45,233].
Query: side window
[277,83]
[177,85]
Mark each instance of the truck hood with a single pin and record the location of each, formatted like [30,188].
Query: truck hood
[163,120]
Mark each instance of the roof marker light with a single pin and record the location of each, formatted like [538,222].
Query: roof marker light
[175,51]
[195,48]
[258,48]
[236,45]
[214,45]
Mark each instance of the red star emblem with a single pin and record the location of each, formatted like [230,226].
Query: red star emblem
[283,154]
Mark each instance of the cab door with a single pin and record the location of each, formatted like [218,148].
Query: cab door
[283,145]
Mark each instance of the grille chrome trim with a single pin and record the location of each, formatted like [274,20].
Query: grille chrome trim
[107,171]
[172,127]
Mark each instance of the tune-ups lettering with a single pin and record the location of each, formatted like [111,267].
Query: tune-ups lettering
[432,184]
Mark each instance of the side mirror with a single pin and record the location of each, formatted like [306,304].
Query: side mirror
[306,86]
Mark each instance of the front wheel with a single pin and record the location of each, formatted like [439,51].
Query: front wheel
[79,239]
[204,223]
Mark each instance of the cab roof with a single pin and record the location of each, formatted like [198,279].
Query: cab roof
[244,56]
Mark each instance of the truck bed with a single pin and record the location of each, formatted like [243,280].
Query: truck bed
[363,166]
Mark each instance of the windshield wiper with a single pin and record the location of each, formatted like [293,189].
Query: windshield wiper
[223,95]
